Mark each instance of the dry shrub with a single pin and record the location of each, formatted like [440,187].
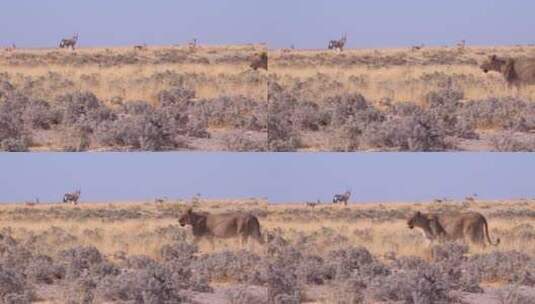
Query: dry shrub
[43,270]
[14,288]
[514,294]
[344,263]
[12,131]
[357,124]
[283,286]
[501,113]
[504,266]
[242,267]
[283,135]
[505,142]
[240,141]
[242,295]
[422,285]
[79,121]
[14,145]
[151,285]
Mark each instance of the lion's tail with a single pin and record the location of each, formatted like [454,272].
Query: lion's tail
[487,234]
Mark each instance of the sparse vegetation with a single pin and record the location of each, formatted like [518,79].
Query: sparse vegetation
[350,122]
[138,253]
[209,98]
[158,99]
[81,122]
[437,99]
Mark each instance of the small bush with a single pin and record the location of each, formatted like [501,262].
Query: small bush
[509,266]
[344,262]
[405,133]
[11,125]
[38,114]
[244,295]
[281,136]
[78,260]
[352,106]
[142,132]
[240,142]
[242,267]
[81,290]
[514,294]
[14,145]
[13,286]
[426,284]
[151,285]
[83,108]
[505,142]
[42,269]
[283,286]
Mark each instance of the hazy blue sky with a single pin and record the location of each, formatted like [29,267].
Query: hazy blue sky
[278,176]
[305,23]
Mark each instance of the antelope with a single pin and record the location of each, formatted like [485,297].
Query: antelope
[160,200]
[69,42]
[338,44]
[32,204]
[140,47]
[72,197]
[313,204]
[193,44]
[415,48]
[342,198]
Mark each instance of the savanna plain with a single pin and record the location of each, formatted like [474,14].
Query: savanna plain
[210,98]
[148,98]
[136,252]
[399,99]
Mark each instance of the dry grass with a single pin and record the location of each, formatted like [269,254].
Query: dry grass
[320,252]
[218,101]
[395,74]
[125,81]
[378,99]
[136,236]
[121,72]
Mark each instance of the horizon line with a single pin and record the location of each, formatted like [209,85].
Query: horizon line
[245,200]
[271,47]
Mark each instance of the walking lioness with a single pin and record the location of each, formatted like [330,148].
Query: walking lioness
[467,226]
[230,225]
[516,71]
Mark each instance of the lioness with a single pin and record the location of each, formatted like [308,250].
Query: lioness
[230,225]
[516,71]
[467,226]
[260,61]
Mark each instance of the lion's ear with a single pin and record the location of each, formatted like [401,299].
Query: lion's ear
[418,213]
[189,211]
[493,57]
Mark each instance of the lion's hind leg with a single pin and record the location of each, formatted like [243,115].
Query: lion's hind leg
[475,234]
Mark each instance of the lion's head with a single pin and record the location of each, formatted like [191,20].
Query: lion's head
[493,63]
[185,218]
[418,220]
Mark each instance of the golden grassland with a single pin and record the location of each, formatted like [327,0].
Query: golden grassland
[396,74]
[133,75]
[358,224]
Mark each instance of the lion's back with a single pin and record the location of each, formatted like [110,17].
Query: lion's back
[525,69]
